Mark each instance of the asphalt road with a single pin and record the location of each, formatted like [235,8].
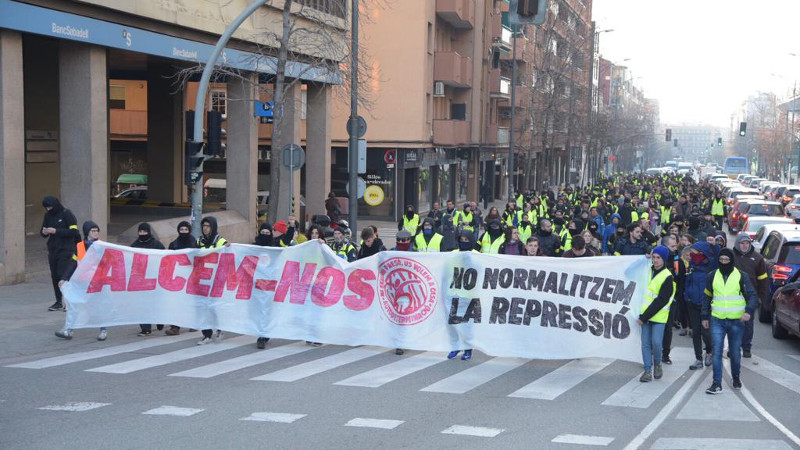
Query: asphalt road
[132,392]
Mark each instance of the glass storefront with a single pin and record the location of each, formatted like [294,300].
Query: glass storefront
[461,181]
[425,184]
[378,199]
[444,185]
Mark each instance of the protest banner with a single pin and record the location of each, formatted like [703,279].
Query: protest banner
[531,307]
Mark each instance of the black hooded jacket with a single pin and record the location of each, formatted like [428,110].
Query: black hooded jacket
[148,241]
[66,225]
[213,239]
[183,241]
[265,240]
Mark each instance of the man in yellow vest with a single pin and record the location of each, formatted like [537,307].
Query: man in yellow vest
[718,210]
[655,314]
[428,240]
[729,302]
[409,221]
[493,238]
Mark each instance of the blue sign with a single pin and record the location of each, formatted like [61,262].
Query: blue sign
[37,20]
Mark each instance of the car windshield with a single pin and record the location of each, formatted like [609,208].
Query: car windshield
[764,210]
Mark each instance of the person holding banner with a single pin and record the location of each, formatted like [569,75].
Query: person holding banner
[183,241]
[370,244]
[403,245]
[211,239]
[655,314]
[147,240]
[343,247]
[60,227]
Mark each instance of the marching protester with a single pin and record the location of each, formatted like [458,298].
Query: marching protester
[183,241]
[549,243]
[210,238]
[147,240]
[343,247]
[428,240]
[371,245]
[91,233]
[729,303]
[513,245]
[436,214]
[492,238]
[678,268]
[752,263]
[634,244]
[403,244]
[532,247]
[449,224]
[466,243]
[60,227]
[409,221]
[701,264]
[655,314]
[579,249]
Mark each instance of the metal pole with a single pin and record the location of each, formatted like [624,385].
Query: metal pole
[291,176]
[513,110]
[353,144]
[199,109]
[791,137]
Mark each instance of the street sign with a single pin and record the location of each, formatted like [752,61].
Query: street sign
[293,157]
[361,126]
[362,187]
[389,156]
[362,156]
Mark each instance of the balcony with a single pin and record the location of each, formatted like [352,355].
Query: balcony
[497,136]
[501,35]
[499,86]
[128,123]
[459,14]
[452,69]
[502,136]
[451,132]
[522,44]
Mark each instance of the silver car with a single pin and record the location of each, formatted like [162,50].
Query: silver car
[793,209]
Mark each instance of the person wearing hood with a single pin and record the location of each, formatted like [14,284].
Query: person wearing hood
[549,243]
[466,243]
[750,262]
[492,238]
[148,241]
[343,247]
[526,226]
[628,212]
[210,238]
[91,233]
[730,301]
[701,264]
[654,314]
[403,244]
[513,244]
[183,241]
[609,233]
[264,237]
[512,215]
[283,233]
[562,232]
[60,227]
[466,219]
[371,245]
[428,240]
[409,221]
[695,228]
[449,238]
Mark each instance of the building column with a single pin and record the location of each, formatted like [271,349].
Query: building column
[290,134]
[164,135]
[474,175]
[242,148]
[83,139]
[12,160]
[318,148]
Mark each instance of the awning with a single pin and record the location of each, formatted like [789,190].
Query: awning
[132,178]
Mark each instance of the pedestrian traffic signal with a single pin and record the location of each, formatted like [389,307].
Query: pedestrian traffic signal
[214,123]
[193,160]
[742,128]
[719,142]
[669,134]
[527,12]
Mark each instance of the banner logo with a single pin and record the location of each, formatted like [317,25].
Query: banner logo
[407,291]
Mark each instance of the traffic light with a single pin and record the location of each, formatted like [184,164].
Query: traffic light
[742,128]
[214,137]
[193,159]
[719,142]
[669,134]
[527,12]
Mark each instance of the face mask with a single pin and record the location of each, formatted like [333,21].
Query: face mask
[403,246]
[464,246]
[427,231]
[697,258]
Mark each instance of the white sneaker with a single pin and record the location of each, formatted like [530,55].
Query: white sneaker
[204,341]
[64,334]
[103,335]
[219,335]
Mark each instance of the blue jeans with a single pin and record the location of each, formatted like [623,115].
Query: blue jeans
[652,336]
[734,328]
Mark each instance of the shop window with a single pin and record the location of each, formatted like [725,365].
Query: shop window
[116,96]
[458,111]
[219,101]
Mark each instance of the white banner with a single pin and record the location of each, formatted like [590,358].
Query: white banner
[531,307]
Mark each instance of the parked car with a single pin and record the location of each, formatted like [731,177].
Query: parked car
[754,223]
[733,193]
[735,214]
[764,231]
[781,252]
[134,193]
[753,183]
[785,315]
[788,194]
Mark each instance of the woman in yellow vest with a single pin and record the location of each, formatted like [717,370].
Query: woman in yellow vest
[729,302]
[655,313]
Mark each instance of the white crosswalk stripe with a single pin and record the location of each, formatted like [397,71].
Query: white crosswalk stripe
[322,365]
[394,371]
[244,361]
[641,395]
[171,357]
[773,372]
[475,376]
[559,381]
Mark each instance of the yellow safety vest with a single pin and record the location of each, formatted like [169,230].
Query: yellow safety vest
[653,287]
[467,218]
[492,248]
[411,225]
[717,208]
[525,233]
[428,247]
[520,200]
[665,213]
[728,301]
[220,242]
[342,251]
[509,218]
[565,237]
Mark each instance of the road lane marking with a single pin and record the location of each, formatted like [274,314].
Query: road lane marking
[725,406]
[168,358]
[636,394]
[173,411]
[473,431]
[273,417]
[711,443]
[101,353]
[74,406]
[579,439]
[473,377]
[242,362]
[773,372]
[394,371]
[318,366]
[559,381]
[385,424]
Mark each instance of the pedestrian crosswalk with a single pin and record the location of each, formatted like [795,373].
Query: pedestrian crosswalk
[299,361]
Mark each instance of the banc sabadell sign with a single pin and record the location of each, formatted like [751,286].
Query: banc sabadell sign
[47,22]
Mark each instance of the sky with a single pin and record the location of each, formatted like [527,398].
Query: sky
[702,58]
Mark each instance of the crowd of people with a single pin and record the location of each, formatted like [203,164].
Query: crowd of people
[697,285]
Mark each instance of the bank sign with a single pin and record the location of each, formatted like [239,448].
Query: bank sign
[47,22]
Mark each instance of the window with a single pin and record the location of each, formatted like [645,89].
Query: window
[458,111]
[219,101]
[770,247]
[336,8]
[116,96]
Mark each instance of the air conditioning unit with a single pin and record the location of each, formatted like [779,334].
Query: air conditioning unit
[438,89]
